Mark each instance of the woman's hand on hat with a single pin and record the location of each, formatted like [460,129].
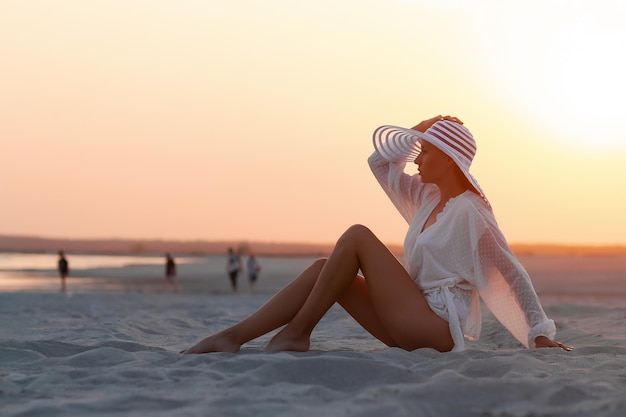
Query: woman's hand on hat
[543,342]
[426,124]
[452,119]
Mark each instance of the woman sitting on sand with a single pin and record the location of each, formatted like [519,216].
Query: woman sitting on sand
[454,253]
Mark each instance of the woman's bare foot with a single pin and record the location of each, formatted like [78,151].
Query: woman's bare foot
[282,342]
[216,343]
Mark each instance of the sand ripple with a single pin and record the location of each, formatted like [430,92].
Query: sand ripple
[98,355]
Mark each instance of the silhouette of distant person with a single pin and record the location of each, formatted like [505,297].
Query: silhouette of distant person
[253,269]
[233,267]
[170,271]
[64,269]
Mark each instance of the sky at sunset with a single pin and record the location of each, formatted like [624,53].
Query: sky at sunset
[252,120]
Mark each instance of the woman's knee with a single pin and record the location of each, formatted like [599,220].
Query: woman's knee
[356,232]
[319,263]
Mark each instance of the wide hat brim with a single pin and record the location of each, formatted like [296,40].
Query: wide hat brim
[399,144]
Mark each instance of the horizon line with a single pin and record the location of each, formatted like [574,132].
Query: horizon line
[281,242]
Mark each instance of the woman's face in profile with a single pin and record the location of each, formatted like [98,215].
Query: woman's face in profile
[432,163]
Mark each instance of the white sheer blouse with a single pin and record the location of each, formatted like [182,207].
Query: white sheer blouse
[462,256]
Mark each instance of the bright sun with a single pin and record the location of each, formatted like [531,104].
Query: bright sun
[566,72]
[583,79]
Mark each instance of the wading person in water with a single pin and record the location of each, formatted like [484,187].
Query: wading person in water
[454,253]
[63,267]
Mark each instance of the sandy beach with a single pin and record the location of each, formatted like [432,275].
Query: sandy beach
[114,351]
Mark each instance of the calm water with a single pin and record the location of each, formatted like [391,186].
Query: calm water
[43,262]
[38,272]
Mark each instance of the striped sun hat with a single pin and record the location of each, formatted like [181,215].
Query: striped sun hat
[399,144]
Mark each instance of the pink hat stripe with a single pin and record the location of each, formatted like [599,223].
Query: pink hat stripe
[463,138]
[465,135]
[452,142]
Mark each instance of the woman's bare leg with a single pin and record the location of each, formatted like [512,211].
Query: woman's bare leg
[398,313]
[278,311]
[358,303]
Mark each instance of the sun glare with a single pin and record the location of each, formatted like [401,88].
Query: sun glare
[566,74]
[583,80]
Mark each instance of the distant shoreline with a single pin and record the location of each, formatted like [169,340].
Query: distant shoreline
[149,247]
